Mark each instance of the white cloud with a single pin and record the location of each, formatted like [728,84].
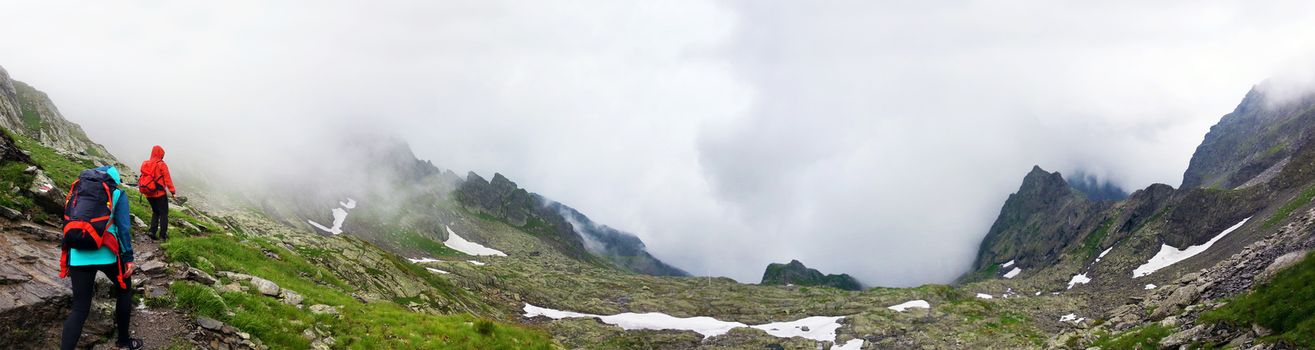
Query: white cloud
[876,139]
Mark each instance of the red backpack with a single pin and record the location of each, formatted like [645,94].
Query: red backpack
[149,180]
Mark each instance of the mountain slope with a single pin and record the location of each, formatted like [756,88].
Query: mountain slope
[30,112]
[1257,138]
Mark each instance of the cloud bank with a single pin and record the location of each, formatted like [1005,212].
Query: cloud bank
[877,139]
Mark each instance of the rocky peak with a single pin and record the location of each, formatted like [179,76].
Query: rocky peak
[27,111]
[1044,214]
[795,273]
[1258,137]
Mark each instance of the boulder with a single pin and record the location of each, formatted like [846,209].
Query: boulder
[209,323]
[1280,263]
[199,276]
[321,309]
[151,266]
[1182,338]
[11,214]
[292,298]
[265,286]
[1180,298]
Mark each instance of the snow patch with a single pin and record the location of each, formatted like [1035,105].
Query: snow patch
[1169,255]
[455,241]
[423,260]
[854,344]
[339,217]
[1078,279]
[820,328]
[437,270]
[984,296]
[1072,318]
[1008,264]
[1102,254]
[476,263]
[1013,273]
[923,304]
[1151,286]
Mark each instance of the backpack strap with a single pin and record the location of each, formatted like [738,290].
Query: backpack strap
[69,197]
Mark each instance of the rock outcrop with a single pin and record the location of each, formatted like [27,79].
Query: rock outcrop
[795,273]
[30,112]
[1262,132]
[1043,217]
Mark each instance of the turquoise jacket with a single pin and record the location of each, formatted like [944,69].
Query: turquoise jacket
[121,228]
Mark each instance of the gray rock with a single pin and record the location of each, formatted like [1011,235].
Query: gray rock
[1175,302]
[151,266]
[1181,338]
[265,286]
[209,323]
[235,276]
[292,298]
[199,276]
[321,309]
[1280,263]
[11,214]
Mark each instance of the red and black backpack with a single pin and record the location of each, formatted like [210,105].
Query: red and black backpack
[88,213]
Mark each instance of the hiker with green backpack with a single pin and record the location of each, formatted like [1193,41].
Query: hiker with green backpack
[97,238]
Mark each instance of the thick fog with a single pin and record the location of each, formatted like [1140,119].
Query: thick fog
[874,138]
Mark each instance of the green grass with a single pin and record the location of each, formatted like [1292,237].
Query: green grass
[1091,244]
[374,325]
[1285,305]
[12,175]
[1145,337]
[1283,212]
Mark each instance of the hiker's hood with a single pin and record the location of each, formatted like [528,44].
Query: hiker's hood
[113,172]
[157,153]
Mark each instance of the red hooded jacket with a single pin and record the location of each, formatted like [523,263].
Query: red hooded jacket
[155,172]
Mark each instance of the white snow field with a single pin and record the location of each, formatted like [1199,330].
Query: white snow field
[437,270]
[1151,286]
[1013,273]
[922,304]
[820,328]
[1169,255]
[984,296]
[455,241]
[476,263]
[1008,264]
[1071,318]
[339,217]
[1078,279]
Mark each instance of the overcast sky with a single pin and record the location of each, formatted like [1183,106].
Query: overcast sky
[874,138]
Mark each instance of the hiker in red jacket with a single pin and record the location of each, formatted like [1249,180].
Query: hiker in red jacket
[153,183]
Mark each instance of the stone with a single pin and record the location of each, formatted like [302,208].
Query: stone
[1261,331]
[137,222]
[151,266]
[199,276]
[321,309]
[209,323]
[235,276]
[291,298]
[1280,263]
[1175,302]
[11,214]
[1181,338]
[265,286]
[231,287]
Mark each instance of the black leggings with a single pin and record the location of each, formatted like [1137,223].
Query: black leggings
[84,287]
[159,217]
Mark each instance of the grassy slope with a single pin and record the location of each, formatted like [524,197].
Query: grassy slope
[1285,305]
[372,325]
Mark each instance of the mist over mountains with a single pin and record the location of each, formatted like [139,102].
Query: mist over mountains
[843,135]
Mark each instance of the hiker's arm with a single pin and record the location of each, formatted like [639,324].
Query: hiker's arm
[123,227]
[166,178]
